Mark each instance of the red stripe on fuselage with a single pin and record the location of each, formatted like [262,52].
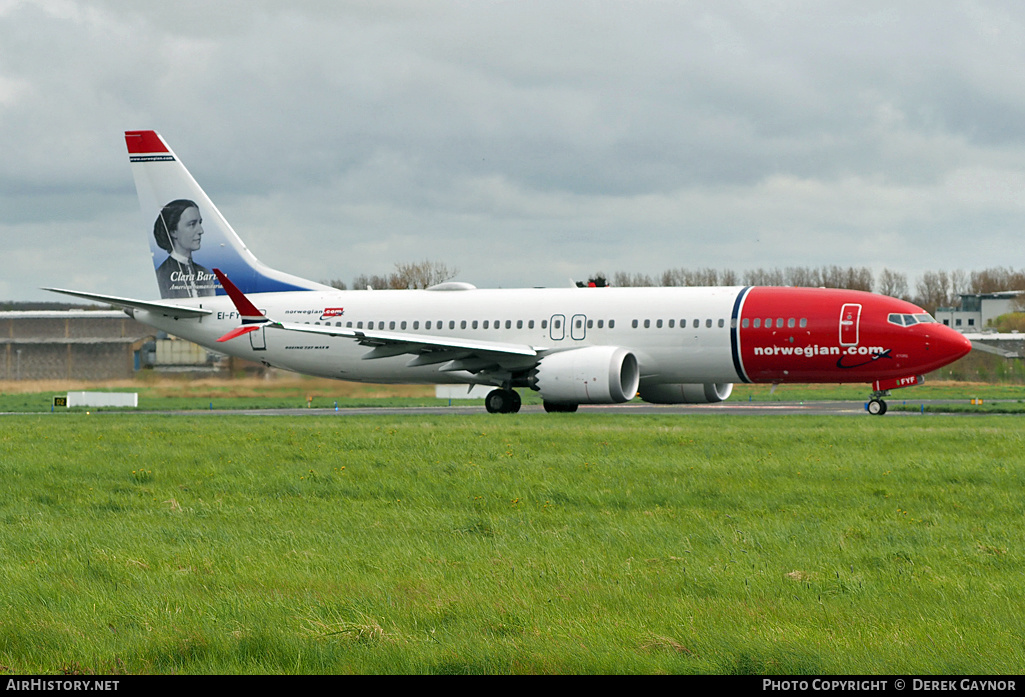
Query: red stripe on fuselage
[775,347]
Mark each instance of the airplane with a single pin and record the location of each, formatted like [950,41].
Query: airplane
[573,346]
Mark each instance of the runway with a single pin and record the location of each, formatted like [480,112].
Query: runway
[810,408]
[898,409]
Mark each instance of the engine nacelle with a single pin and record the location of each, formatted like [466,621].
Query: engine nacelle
[687,393]
[588,375]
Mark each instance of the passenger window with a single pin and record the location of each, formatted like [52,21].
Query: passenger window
[612,324]
[708,323]
[634,324]
[658,324]
[743,323]
[696,323]
[544,324]
[672,323]
[791,323]
[519,324]
[757,322]
[647,324]
[804,322]
[474,324]
[722,323]
[779,323]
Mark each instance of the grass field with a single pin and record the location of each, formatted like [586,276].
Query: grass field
[287,390]
[583,543]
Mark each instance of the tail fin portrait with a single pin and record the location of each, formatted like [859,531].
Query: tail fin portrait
[188,236]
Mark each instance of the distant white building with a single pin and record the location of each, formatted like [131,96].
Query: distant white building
[978,310]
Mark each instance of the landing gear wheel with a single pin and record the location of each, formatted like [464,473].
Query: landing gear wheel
[876,407]
[554,408]
[502,402]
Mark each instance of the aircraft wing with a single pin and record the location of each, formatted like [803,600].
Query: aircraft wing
[385,343]
[452,353]
[162,308]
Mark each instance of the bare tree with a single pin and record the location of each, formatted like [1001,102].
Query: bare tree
[894,284]
[994,280]
[933,290]
[764,277]
[365,282]
[417,275]
[421,275]
[624,280]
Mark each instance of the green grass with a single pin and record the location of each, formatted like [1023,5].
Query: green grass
[583,543]
[184,396]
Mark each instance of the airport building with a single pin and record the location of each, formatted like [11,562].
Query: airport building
[89,345]
[978,310]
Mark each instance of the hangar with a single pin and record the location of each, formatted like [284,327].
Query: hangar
[87,345]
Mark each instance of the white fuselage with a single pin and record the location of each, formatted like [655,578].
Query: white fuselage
[677,334]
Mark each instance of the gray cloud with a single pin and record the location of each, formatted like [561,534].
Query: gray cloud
[523,142]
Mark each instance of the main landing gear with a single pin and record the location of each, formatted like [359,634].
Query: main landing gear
[502,401]
[876,405]
[557,408]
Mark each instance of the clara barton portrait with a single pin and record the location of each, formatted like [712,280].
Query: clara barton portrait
[178,230]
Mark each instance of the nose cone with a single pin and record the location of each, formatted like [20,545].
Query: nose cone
[947,345]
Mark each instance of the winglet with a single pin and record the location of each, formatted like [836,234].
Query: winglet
[245,308]
[252,318]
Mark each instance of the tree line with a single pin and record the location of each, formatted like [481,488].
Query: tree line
[931,290]
[406,276]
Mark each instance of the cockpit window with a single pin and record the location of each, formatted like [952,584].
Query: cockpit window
[909,320]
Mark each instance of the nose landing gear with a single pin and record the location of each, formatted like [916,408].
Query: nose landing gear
[876,405]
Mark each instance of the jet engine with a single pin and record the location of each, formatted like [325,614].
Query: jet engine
[589,375]
[687,393]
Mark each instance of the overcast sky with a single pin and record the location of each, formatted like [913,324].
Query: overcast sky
[525,143]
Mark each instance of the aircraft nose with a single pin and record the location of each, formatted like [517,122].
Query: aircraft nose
[948,343]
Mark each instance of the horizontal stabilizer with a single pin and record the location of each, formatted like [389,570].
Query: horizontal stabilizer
[166,309]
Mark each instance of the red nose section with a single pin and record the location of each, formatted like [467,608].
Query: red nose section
[948,344]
